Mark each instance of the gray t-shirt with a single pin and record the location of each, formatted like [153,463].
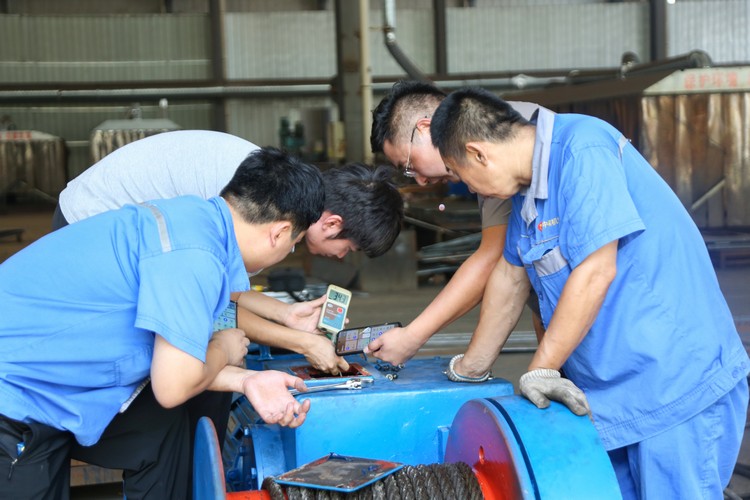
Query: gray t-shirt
[495,211]
[197,162]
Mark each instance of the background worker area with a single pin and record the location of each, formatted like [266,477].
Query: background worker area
[633,311]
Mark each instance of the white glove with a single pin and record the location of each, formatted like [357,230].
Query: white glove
[543,384]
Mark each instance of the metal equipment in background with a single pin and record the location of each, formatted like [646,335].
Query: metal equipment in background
[454,440]
[690,123]
[112,134]
[31,162]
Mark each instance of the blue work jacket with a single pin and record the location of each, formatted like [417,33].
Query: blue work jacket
[664,345]
[79,308]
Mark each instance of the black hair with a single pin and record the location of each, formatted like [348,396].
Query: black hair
[271,185]
[395,114]
[369,203]
[471,114]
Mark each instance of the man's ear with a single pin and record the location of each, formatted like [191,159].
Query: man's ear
[332,224]
[278,230]
[424,123]
[476,152]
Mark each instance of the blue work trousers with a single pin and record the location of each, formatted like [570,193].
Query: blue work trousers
[693,460]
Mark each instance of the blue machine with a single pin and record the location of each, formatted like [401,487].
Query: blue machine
[419,417]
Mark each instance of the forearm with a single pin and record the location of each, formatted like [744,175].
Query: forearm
[465,289]
[579,304]
[177,376]
[229,379]
[504,300]
[263,331]
[262,305]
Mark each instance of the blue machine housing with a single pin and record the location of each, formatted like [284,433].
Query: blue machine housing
[516,451]
[403,420]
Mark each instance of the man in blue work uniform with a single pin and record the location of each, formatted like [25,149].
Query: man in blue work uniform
[106,330]
[629,298]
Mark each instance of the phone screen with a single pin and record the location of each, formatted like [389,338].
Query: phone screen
[354,340]
[227,318]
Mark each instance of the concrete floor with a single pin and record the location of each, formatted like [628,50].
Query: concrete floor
[370,308]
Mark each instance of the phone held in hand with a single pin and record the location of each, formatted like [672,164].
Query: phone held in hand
[354,340]
[333,316]
[227,318]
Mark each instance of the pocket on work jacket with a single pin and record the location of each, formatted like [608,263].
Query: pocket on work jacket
[548,271]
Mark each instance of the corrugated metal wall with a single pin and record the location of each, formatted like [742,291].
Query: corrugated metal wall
[60,49]
[280,45]
[719,27]
[546,38]
[495,36]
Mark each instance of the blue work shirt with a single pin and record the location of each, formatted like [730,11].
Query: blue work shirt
[79,307]
[664,345]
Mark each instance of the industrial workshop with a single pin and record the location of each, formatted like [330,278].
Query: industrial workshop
[374,249]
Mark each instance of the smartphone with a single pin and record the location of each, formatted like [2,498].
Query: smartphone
[333,316]
[227,318]
[354,340]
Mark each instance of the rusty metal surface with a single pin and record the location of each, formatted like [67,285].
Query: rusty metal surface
[697,140]
[32,161]
[113,134]
[692,125]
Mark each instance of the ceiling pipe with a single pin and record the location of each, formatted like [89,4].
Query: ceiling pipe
[173,93]
[630,67]
[365,71]
[441,36]
[693,59]
[517,82]
[389,28]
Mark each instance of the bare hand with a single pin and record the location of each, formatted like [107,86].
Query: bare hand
[320,353]
[268,393]
[234,343]
[395,346]
[304,315]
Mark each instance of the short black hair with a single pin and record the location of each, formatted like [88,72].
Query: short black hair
[369,203]
[271,185]
[394,115]
[471,114]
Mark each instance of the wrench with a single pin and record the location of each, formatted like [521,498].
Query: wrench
[352,383]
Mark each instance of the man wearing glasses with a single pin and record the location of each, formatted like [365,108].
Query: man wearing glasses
[401,131]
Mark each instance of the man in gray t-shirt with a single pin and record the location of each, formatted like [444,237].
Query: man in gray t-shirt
[165,165]
[401,131]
